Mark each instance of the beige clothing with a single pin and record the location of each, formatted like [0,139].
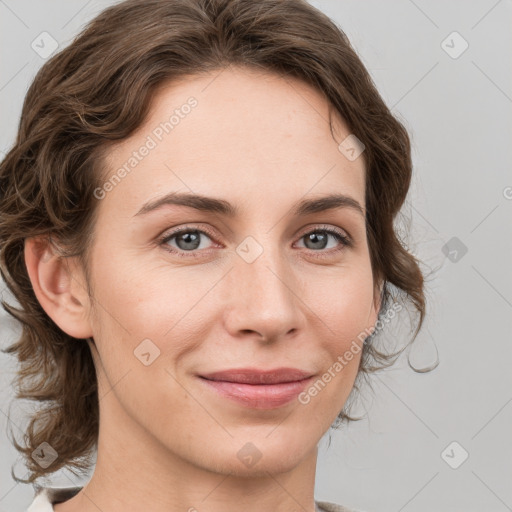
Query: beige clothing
[46,497]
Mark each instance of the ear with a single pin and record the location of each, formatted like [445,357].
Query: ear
[59,287]
[377,301]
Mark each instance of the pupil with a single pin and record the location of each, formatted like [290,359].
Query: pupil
[315,238]
[191,240]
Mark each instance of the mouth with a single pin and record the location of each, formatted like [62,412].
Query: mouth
[258,389]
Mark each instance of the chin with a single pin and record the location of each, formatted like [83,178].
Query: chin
[265,466]
[258,458]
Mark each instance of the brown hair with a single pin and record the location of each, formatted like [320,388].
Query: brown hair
[98,90]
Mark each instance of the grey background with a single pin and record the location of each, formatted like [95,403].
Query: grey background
[458,112]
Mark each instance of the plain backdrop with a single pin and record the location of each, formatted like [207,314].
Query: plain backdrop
[429,441]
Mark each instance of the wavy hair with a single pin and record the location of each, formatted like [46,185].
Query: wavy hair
[98,90]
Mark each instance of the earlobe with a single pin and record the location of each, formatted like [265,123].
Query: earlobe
[58,290]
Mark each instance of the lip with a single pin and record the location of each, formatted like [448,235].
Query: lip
[258,389]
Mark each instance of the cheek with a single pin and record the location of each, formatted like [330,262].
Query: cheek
[344,303]
[346,314]
[345,320]
[138,299]
[150,309]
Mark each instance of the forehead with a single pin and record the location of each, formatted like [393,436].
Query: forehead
[237,133]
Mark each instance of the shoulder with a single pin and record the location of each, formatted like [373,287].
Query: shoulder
[46,497]
[326,506]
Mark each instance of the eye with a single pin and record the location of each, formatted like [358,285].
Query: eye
[317,239]
[187,241]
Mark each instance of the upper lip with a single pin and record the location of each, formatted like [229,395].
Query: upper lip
[257,376]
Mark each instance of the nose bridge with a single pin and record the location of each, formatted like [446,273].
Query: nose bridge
[264,289]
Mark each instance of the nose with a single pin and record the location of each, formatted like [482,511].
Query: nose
[263,297]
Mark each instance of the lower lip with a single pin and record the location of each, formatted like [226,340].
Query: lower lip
[258,396]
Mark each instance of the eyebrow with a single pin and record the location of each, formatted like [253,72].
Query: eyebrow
[220,206]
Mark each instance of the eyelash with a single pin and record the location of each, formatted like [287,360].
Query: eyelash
[338,235]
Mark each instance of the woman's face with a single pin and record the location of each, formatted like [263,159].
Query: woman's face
[253,281]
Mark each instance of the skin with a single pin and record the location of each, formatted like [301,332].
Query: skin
[261,142]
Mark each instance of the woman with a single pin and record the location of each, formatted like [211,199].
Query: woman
[197,221]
